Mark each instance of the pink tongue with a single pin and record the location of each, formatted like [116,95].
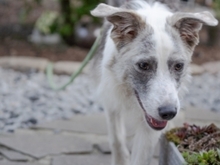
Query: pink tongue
[157,123]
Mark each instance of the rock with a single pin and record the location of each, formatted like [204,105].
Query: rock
[212,67]
[24,63]
[32,96]
[83,160]
[14,156]
[67,67]
[5,162]
[32,121]
[203,92]
[41,145]
[24,105]
[104,148]
[50,39]
[196,69]
[203,114]
[93,124]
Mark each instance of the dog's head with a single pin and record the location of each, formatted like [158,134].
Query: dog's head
[153,51]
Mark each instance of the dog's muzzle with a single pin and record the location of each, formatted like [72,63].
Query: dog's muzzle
[152,122]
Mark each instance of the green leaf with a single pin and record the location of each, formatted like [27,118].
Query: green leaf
[66,30]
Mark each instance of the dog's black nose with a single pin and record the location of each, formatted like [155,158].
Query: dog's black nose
[167,112]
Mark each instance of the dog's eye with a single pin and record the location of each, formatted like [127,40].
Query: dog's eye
[178,67]
[144,66]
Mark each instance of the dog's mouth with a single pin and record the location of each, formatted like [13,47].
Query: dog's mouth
[152,122]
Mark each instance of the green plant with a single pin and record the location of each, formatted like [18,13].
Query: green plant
[198,145]
[46,21]
[211,157]
[62,22]
[71,13]
[216,6]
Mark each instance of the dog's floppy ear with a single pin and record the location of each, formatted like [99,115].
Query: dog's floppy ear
[189,24]
[103,10]
[127,24]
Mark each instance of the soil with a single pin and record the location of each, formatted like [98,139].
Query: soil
[14,37]
[15,47]
[205,54]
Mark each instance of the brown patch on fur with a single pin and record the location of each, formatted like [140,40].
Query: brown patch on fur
[189,29]
[127,26]
[111,62]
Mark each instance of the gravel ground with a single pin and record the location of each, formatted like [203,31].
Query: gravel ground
[204,92]
[26,99]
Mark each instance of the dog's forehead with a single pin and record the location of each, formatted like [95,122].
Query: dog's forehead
[164,44]
[161,41]
[159,44]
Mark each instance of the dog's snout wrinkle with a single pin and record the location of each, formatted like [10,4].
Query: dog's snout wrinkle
[167,112]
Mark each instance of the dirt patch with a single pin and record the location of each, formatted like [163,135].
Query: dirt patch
[12,47]
[204,54]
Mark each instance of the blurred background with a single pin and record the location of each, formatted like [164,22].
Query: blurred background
[34,32]
[41,126]
[55,29]
[64,29]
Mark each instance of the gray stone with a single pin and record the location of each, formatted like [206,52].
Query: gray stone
[95,124]
[24,106]
[50,39]
[5,162]
[104,148]
[203,92]
[13,155]
[212,67]
[196,69]
[40,145]
[24,63]
[82,160]
[67,67]
[202,115]
[154,161]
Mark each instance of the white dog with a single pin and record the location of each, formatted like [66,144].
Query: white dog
[143,64]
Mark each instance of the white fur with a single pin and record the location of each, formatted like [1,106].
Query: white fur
[115,102]
[120,102]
